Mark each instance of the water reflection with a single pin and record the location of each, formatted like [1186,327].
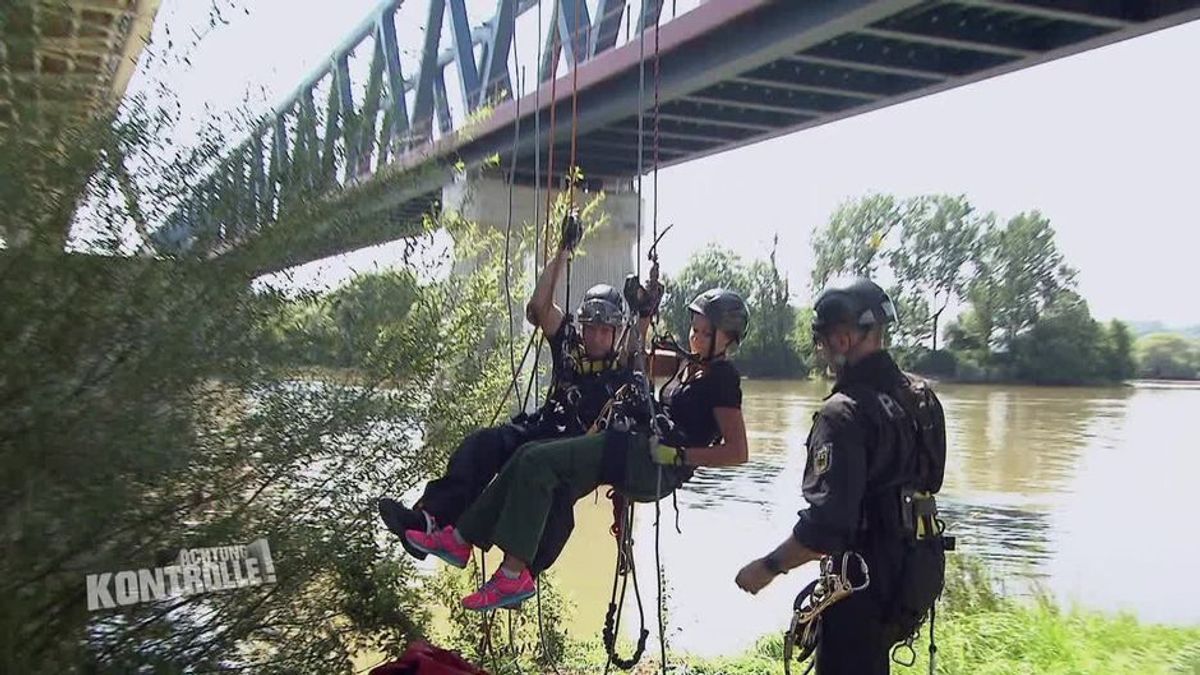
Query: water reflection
[1024,440]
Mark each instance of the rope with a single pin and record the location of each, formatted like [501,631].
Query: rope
[654,250]
[574,168]
[662,624]
[486,618]
[616,606]
[932,640]
[550,159]
[537,148]
[512,175]
[641,131]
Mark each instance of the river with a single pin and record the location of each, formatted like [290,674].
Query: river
[1081,492]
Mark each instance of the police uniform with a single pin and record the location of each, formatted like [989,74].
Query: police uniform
[580,388]
[864,462]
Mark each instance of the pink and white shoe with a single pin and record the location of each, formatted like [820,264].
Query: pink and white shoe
[442,544]
[501,591]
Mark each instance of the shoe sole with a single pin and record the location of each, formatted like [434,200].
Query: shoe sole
[444,555]
[392,527]
[510,602]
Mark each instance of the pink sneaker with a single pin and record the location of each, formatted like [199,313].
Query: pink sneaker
[501,591]
[442,544]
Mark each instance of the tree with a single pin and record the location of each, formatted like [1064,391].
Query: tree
[938,241]
[769,349]
[1019,273]
[1168,356]
[853,239]
[710,267]
[1063,346]
[1117,352]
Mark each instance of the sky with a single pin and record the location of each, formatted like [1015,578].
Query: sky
[1105,144]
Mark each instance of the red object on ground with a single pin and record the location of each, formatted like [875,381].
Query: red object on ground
[422,658]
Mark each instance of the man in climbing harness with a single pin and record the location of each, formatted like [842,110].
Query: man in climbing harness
[586,373]
[876,456]
[700,420]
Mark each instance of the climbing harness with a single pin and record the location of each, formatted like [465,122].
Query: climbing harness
[831,585]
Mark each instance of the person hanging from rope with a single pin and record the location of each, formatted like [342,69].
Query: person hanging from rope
[876,457]
[586,373]
[700,416]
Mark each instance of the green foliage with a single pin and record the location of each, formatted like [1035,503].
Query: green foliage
[1116,352]
[339,329]
[148,405]
[942,363]
[932,261]
[1168,356]
[853,239]
[142,416]
[509,641]
[1020,273]
[1063,346]
[770,348]
[1022,320]
[979,631]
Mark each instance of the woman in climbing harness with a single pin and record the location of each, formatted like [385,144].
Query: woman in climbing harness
[700,421]
[587,371]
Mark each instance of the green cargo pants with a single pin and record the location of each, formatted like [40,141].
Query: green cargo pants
[512,510]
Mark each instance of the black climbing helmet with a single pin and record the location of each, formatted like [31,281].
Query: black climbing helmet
[603,305]
[725,309]
[855,301]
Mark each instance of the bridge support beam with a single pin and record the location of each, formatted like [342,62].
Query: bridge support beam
[607,249]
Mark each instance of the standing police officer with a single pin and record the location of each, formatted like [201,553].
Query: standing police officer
[876,455]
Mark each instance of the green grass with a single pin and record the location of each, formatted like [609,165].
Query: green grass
[981,633]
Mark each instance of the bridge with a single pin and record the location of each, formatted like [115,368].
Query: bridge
[62,63]
[647,90]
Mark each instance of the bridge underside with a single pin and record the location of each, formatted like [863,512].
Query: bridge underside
[727,74]
[735,72]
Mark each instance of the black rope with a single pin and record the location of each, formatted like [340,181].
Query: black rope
[662,625]
[486,618]
[932,640]
[612,619]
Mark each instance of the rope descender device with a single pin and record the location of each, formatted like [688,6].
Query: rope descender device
[830,586]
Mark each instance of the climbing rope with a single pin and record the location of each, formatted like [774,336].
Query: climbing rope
[616,604]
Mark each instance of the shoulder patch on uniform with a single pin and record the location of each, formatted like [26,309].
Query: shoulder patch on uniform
[822,457]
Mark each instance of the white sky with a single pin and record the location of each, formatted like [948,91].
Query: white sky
[1106,144]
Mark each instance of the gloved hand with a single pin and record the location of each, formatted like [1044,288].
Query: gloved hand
[649,298]
[664,454]
[572,231]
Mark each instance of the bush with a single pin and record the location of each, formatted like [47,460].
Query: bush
[940,363]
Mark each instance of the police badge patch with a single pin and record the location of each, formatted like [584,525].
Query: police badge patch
[822,456]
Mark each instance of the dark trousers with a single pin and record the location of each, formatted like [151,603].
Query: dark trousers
[515,509]
[851,641]
[476,461]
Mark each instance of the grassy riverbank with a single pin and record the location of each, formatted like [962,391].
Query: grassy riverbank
[979,632]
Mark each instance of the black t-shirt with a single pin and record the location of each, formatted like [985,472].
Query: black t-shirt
[579,389]
[689,404]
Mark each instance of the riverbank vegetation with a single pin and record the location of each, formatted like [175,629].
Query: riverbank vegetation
[1017,315]
[978,631]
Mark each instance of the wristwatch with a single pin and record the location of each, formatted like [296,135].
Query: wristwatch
[772,564]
